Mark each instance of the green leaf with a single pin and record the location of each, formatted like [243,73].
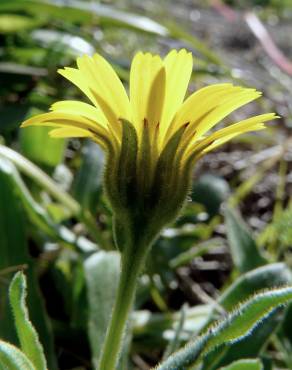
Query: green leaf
[102,271]
[244,365]
[19,72]
[80,11]
[40,178]
[27,335]
[112,16]
[46,9]
[40,217]
[210,191]
[247,347]
[237,325]
[269,276]
[244,250]
[88,180]
[10,23]
[69,282]
[62,42]
[38,146]
[11,358]
[174,344]
[44,181]
[152,328]
[198,250]
[13,256]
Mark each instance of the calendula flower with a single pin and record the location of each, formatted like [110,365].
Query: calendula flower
[153,137]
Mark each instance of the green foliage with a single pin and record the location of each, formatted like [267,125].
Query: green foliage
[56,225]
[245,253]
[264,277]
[211,191]
[28,337]
[283,227]
[102,270]
[10,23]
[88,181]
[244,365]
[272,275]
[33,142]
[12,358]
[237,325]
[12,233]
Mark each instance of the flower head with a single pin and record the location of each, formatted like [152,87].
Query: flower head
[152,137]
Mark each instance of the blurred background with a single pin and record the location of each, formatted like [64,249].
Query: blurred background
[54,221]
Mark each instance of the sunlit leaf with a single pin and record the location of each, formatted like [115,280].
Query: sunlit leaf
[11,358]
[269,276]
[39,147]
[237,325]
[10,23]
[70,44]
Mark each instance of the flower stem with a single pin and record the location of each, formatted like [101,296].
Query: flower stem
[131,265]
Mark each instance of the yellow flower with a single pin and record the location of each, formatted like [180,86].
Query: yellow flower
[154,136]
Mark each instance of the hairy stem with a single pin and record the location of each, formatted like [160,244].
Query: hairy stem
[131,264]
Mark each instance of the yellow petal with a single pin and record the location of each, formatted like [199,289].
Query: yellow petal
[178,66]
[67,132]
[60,119]
[83,109]
[115,87]
[227,138]
[229,105]
[218,107]
[107,90]
[144,70]
[220,137]
[199,104]
[82,81]
[97,79]
[243,125]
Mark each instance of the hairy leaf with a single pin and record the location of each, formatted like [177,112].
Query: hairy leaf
[268,276]
[237,325]
[27,335]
